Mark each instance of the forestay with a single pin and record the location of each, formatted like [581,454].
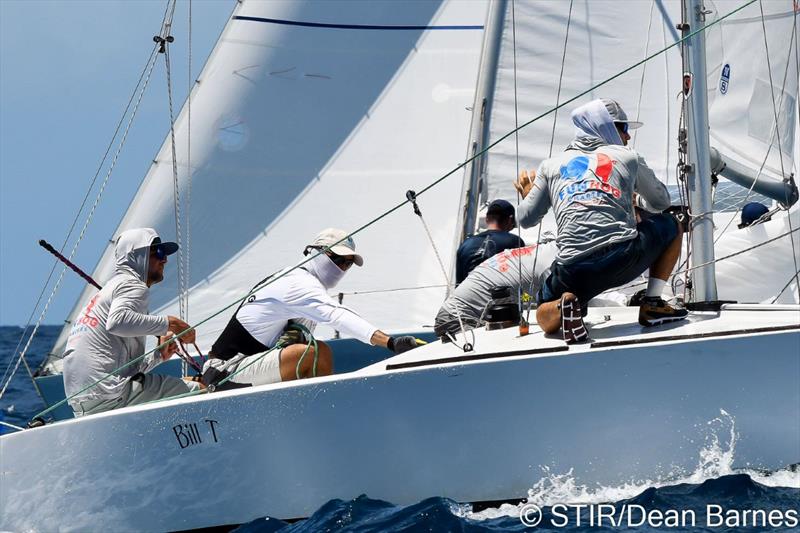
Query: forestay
[311,114]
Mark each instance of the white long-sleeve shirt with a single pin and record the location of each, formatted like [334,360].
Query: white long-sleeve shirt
[298,294]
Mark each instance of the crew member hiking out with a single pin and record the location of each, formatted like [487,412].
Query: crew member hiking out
[298,297]
[593,188]
[512,268]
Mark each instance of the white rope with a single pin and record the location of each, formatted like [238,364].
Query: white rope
[777,129]
[165,34]
[187,246]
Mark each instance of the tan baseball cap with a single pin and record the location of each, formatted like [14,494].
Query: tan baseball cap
[328,238]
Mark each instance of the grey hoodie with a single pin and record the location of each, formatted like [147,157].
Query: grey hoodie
[590,187]
[111,329]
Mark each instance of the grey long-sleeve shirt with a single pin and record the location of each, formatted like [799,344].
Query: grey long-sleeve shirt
[591,192]
[111,329]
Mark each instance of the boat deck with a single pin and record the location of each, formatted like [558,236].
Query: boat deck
[608,327]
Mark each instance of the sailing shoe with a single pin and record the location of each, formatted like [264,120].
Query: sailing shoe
[654,311]
[572,321]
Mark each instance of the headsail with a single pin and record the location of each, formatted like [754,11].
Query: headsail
[311,114]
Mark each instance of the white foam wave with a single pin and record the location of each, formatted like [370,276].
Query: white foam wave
[715,460]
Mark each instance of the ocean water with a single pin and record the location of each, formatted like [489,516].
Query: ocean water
[714,497]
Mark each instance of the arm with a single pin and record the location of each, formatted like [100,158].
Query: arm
[318,306]
[125,318]
[652,194]
[535,204]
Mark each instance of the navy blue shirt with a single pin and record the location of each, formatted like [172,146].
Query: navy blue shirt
[476,249]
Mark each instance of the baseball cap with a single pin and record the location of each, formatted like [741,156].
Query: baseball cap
[329,236]
[168,247]
[501,208]
[618,115]
[752,212]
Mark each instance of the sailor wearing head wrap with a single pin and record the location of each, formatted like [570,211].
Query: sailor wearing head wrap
[592,188]
[111,331]
[294,296]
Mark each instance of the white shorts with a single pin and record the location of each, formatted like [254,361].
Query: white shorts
[265,370]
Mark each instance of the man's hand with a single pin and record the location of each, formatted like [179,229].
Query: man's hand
[404,343]
[177,325]
[169,349]
[524,183]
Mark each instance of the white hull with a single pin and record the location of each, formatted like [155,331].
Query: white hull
[474,430]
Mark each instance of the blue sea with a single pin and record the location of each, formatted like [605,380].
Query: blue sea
[713,498]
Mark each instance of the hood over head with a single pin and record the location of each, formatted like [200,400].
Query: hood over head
[594,126]
[132,251]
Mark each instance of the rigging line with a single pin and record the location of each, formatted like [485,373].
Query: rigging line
[549,154]
[644,71]
[391,210]
[739,252]
[398,289]
[188,162]
[791,279]
[90,215]
[516,142]
[778,134]
[165,41]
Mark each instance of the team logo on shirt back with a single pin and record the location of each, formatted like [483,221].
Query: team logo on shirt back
[591,175]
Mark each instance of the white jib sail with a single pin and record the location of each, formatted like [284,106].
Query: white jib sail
[310,114]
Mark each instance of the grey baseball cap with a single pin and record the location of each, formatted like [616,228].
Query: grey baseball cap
[618,115]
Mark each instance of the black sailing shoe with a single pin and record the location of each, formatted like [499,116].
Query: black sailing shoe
[572,321]
[654,311]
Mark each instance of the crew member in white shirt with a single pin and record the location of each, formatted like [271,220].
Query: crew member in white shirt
[299,297]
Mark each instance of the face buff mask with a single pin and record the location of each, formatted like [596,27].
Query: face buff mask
[325,271]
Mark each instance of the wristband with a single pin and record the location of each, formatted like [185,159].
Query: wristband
[390,344]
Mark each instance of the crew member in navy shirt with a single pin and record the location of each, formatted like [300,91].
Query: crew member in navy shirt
[500,220]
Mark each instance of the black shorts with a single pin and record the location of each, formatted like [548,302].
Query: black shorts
[613,265]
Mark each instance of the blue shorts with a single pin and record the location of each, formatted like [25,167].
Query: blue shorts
[612,265]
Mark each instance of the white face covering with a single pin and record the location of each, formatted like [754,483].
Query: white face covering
[325,271]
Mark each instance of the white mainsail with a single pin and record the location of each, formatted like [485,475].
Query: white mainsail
[314,114]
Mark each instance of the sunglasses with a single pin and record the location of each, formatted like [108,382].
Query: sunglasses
[159,252]
[623,126]
[341,261]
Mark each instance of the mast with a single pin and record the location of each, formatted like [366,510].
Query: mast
[698,167]
[481,111]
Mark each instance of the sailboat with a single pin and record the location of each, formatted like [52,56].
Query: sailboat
[288,136]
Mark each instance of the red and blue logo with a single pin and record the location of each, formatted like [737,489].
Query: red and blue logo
[577,167]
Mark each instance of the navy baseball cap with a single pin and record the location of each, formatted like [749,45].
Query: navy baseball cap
[752,212]
[501,208]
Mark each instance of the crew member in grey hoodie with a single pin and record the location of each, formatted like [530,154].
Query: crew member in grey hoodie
[593,188]
[112,328]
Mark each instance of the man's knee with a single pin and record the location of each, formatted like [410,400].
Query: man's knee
[309,362]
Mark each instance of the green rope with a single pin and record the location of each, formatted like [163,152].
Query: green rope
[404,202]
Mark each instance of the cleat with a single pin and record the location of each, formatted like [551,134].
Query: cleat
[572,325]
[654,311]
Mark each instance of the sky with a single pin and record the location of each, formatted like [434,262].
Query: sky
[67,70]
